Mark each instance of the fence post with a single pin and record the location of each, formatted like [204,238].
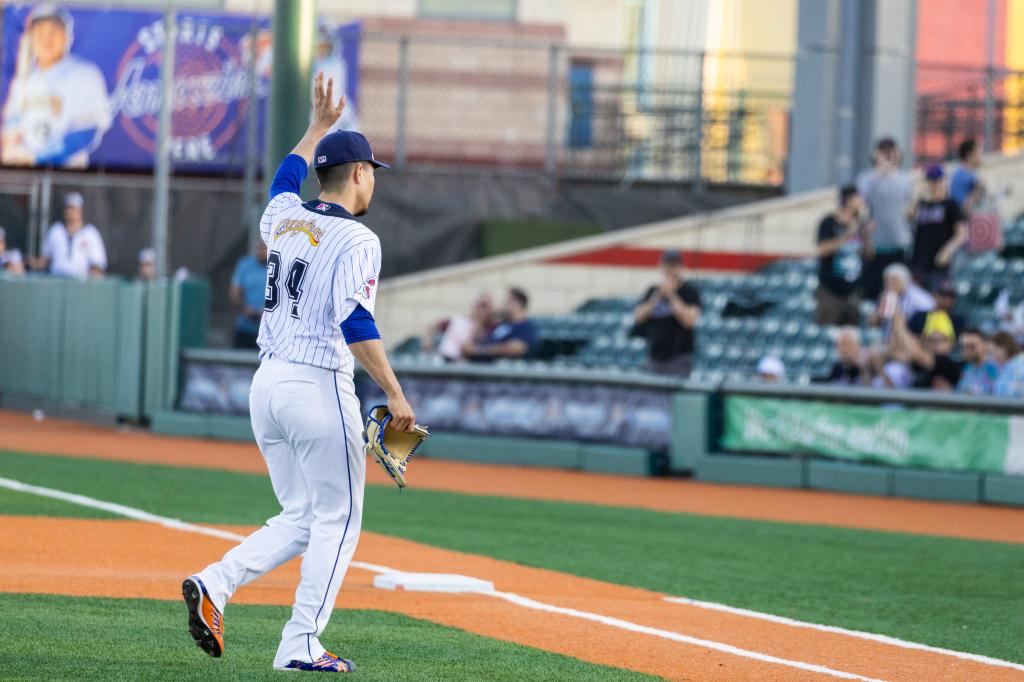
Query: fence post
[162,162]
[253,157]
[550,131]
[33,220]
[698,150]
[989,143]
[45,202]
[400,108]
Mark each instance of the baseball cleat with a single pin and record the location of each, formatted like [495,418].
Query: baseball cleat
[205,621]
[328,663]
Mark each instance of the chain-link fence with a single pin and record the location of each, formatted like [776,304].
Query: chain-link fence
[957,102]
[576,112]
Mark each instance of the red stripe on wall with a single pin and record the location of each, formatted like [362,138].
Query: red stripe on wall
[626,256]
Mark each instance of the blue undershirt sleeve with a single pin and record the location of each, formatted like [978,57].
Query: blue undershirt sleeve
[289,176]
[359,326]
[72,144]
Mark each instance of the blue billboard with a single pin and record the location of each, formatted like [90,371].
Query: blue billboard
[81,87]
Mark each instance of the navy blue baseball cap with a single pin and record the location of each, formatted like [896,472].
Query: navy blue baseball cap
[344,146]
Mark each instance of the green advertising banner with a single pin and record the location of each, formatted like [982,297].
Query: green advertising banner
[908,437]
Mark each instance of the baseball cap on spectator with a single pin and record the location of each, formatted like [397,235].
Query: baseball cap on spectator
[934,172]
[938,322]
[771,366]
[885,144]
[147,255]
[672,257]
[947,288]
[74,199]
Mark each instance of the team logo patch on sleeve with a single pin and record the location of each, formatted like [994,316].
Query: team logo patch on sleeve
[368,286]
[307,227]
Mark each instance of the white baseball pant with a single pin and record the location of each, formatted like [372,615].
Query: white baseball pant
[309,429]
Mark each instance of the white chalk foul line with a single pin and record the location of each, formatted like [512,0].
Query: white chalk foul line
[883,639]
[141,515]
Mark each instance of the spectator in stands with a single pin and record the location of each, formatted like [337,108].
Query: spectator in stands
[147,265]
[887,190]
[667,314]
[932,361]
[1010,382]
[850,369]
[515,337]
[770,369]
[248,291]
[901,295]
[1002,347]
[945,304]
[458,330]
[940,230]
[979,373]
[10,259]
[965,187]
[1009,308]
[843,243]
[73,248]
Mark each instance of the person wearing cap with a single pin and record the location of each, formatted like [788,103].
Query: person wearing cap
[668,313]
[10,259]
[945,304]
[770,369]
[931,359]
[888,192]
[323,275]
[57,109]
[73,248]
[940,230]
[147,265]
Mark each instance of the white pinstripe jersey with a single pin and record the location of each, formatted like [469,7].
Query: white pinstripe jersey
[321,264]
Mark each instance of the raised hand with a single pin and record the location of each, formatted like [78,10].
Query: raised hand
[325,112]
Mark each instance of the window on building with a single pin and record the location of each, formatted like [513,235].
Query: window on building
[581,103]
[468,10]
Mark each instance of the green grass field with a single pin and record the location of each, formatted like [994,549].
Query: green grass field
[65,638]
[959,594]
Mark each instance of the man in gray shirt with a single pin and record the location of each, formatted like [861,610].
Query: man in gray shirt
[888,191]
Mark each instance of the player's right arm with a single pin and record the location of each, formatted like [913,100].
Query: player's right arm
[293,169]
[287,182]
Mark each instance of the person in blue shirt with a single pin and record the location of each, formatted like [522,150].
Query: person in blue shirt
[248,291]
[979,373]
[965,188]
[514,337]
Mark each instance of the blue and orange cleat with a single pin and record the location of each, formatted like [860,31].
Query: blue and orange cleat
[205,621]
[328,663]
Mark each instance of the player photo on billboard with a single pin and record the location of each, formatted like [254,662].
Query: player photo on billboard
[58,109]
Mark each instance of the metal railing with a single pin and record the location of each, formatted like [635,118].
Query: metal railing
[543,374]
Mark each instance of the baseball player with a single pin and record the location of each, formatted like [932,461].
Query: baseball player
[322,276]
[57,110]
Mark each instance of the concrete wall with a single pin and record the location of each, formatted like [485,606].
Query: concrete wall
[784,226]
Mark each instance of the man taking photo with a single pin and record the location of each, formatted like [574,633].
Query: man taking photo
[667,314]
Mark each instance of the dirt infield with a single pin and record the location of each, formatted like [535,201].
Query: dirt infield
[21,432]
[136,559]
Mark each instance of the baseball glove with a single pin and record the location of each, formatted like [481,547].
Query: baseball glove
[390,447]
